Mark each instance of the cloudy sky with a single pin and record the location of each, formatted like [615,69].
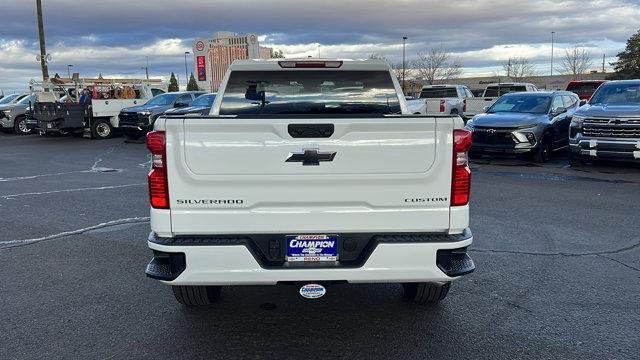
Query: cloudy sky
[114,37]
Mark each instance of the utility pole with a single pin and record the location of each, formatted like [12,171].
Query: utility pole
[603,60]
[552,33]
[404,44]
[43,50]
[186,71]
[509,68]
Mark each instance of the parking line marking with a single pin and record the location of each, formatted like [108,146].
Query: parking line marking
[132,220]
[70,190]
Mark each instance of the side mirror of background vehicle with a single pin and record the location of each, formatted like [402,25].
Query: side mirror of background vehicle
[583,102]
[485,109]
[179,105]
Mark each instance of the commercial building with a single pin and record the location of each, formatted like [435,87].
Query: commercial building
[213,56]
[555,82]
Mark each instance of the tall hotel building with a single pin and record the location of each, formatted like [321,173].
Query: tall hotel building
[213,56]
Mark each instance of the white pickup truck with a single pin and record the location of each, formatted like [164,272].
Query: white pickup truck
[441,99]
[309,172]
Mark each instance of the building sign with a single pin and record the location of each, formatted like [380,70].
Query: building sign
[200,46]
[202,68]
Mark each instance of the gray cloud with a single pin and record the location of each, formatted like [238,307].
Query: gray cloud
[471,28]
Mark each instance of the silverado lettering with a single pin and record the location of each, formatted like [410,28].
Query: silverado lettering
[208,202]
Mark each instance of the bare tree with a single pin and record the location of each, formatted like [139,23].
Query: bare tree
[437,65]
[396,67]
[576,61]
[519,68]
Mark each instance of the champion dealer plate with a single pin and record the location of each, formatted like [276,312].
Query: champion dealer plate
[312,248]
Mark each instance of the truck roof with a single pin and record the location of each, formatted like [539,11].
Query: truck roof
[440,86]
[309,64]
[509,84]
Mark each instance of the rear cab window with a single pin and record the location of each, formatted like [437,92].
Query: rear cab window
[309,92]
[438,93]
[495,91]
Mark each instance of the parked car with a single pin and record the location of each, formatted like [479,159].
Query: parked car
[136,121]
[584,88]
[13,115]
[608,126]
[201,106]
[492,93]
[441,99]
[262,190]
[534,123]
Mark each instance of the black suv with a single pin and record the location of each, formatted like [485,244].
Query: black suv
[136,121]
[534,123]
[608,127]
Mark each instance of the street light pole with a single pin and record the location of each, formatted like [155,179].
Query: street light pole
[69,70]
[186,72]
[43,50]
[404,44]
[552,33]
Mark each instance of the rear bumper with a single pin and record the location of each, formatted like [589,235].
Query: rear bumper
[390,259]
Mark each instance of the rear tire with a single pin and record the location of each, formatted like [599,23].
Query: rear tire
[425,293]
[101,129]
[20,126]
[196,295]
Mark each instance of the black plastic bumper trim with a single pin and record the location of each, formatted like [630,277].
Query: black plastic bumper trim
[269,249]
[166,266]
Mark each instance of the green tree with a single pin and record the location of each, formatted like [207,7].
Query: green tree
[173,83]
[56,76]
[192,85]
[628,64]
[278,54]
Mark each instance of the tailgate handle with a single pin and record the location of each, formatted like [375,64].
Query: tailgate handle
[310,130]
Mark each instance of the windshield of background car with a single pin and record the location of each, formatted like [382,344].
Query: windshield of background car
[310,92]
[495,91]
[617,94]
[164,99]
[529,104]
[438,93]
[9,98]
[583,88]
[204,100]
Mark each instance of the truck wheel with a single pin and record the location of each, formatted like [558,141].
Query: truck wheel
[20,126]
[101,129]
[196,295]
[425,293]
[543,153]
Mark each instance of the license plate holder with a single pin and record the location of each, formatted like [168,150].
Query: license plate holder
[312,248]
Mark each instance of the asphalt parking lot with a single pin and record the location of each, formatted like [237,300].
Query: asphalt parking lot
[557,253]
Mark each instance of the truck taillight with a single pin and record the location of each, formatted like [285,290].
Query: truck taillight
[464,106]
[461,176]
[158,184]
[442,105]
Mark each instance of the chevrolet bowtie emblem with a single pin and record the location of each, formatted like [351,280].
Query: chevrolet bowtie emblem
[311,157]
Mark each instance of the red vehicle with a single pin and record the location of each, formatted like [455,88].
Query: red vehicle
[584,89]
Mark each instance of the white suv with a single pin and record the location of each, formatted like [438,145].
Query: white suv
[309,172]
